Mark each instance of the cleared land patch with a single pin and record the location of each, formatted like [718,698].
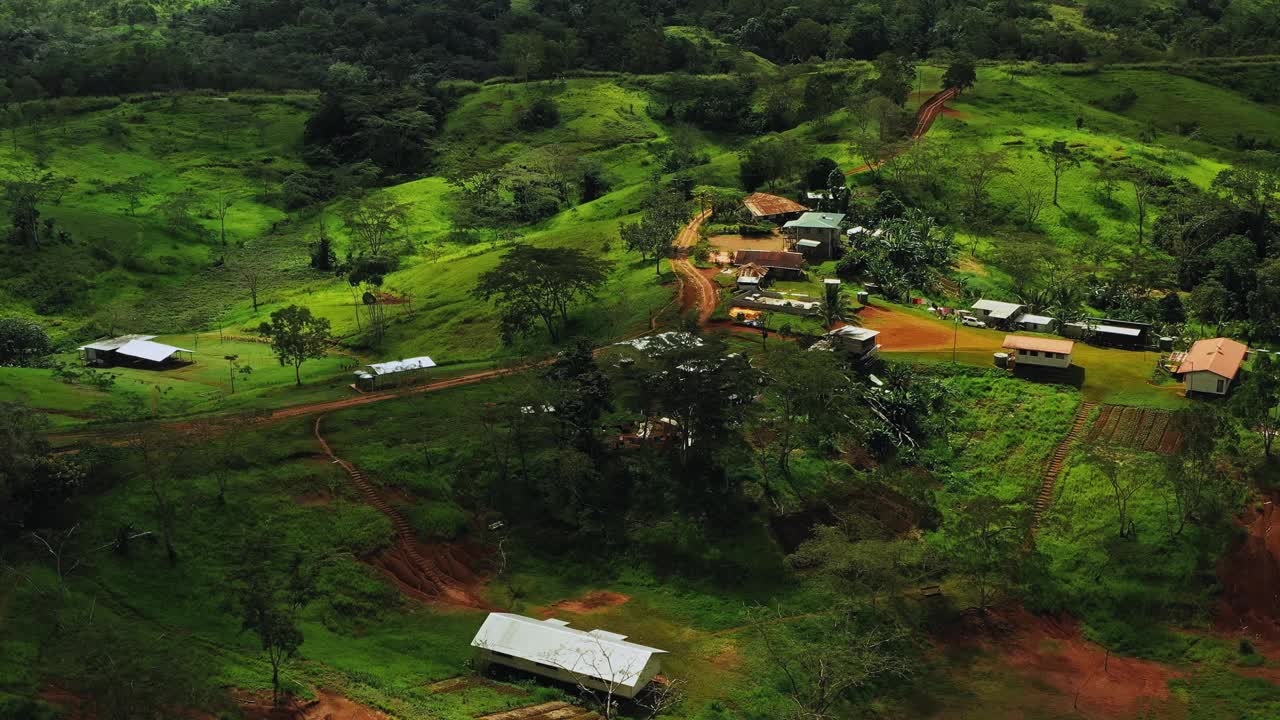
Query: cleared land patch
[1137,428]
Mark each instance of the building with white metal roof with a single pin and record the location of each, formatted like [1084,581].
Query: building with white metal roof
[131,349]
[371,376]
[596,659]
[996,310]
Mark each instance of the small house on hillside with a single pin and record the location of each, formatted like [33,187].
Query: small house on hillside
[816,235]
[772,208]
[1210,366]
[1047,352]
[396,372]
[782,265]
[1035,323]
[996,313]
[595,659]
[135,351]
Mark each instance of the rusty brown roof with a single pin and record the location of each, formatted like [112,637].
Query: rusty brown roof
[1039,344]
[1220,356]
[766,205]
[770,258]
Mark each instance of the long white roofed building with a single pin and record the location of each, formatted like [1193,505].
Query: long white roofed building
[133,350]
[596,659]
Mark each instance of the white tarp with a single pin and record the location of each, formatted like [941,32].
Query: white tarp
[596,654]
[147,350]
[395,366]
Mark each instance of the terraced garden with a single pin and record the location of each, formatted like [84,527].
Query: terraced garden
[1138,428]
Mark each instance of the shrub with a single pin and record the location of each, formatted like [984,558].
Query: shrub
[22,342]
[1117,103]
[542,114]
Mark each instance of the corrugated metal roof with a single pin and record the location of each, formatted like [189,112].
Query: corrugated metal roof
[395,366]
[1023,342]
[816,220]
[855,332]
[997,309]
[766,205]
[1035,319]
[770,258]
[1220,356]
[596,654]
[147,350]
[114,343]
[1109,329]
[808,243]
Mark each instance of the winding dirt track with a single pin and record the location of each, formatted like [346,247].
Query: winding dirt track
[703,292]
[925,116]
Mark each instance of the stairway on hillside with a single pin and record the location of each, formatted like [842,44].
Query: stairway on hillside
[1051,473]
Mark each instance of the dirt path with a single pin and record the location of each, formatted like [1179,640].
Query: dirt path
[697,289]
[925,117]
[434,578]
[1051,473]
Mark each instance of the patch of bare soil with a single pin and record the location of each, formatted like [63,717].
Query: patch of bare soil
[1250,577]
[592,602]
[957,114]
[907,332]
[1051,651]
[328,705]
[773,242]
[437,573]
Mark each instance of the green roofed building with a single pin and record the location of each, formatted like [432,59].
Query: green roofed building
[817,235]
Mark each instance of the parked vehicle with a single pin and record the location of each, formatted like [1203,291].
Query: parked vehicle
[972,322]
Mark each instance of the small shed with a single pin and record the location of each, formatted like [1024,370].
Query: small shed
[595,659]
[1035,323]
[751,276]
[1047,352]
[998,313]
[855,340]
[1105,331]
[1210,366]
[395,372]
[772,208]
[134,351]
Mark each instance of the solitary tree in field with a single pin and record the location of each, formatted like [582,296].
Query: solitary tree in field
[23,188]
[132,190]
[376,223]
[977,172]
[251,276]
[532,283]
[297,336]
[985,545]
[961,74]
[222,205]
[271,593]
[1061,160]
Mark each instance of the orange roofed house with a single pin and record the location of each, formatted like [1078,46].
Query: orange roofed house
[1210,365]
[772,208]
[1048,352]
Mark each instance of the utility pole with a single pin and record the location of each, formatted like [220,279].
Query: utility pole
[955,336]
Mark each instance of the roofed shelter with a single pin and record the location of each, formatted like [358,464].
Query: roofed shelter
[1210,366]
[781,264]
[596,659]
[772,208]
[134,351]
[394,372]
[1046,352]
[995,312]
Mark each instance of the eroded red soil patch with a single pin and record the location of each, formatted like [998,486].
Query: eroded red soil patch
[328,705]
[1051,651]
[907,332]
[1250,576]
[592,602]
[442,573]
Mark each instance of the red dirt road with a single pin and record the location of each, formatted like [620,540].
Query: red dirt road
[696,289]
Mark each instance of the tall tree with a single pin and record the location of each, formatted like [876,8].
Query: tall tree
[1257,400]
[540,283]
[271,590]
[23,188]
[659,226]
[297,336]
[377,224]
[1062,159]
[961,74]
